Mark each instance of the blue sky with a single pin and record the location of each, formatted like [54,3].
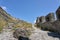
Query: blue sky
[29,10]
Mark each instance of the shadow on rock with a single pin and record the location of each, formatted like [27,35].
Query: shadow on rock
[23,38]
[53,34]
[21,34]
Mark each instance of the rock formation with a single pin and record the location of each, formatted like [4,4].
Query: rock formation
[50,17]
[50,23]
[37,21]
[58,13]
[42,19]
[21,34]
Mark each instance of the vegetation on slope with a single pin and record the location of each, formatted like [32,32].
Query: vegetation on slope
[6,18]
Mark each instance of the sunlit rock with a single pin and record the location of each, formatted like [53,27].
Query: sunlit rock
[50,17]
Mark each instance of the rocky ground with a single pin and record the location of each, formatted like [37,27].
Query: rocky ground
[44,35]
[7,34]
[37,34]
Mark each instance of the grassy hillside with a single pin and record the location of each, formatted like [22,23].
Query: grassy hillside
[6,18]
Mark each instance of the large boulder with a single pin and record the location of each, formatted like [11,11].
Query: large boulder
[21,34]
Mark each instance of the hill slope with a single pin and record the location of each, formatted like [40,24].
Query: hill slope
[6,19]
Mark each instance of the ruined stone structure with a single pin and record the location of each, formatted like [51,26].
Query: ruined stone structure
[58,13]
[50,17]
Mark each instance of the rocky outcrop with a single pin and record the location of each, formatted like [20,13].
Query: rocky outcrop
[58,13]
[50,17]
[51,24]
[21,34]
[56,26]
[40,19]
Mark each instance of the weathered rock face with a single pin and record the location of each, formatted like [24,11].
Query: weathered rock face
[42,19]
[21,34]
[50,17]
[56,25]
[37,21]
[51,24]
[58,13]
